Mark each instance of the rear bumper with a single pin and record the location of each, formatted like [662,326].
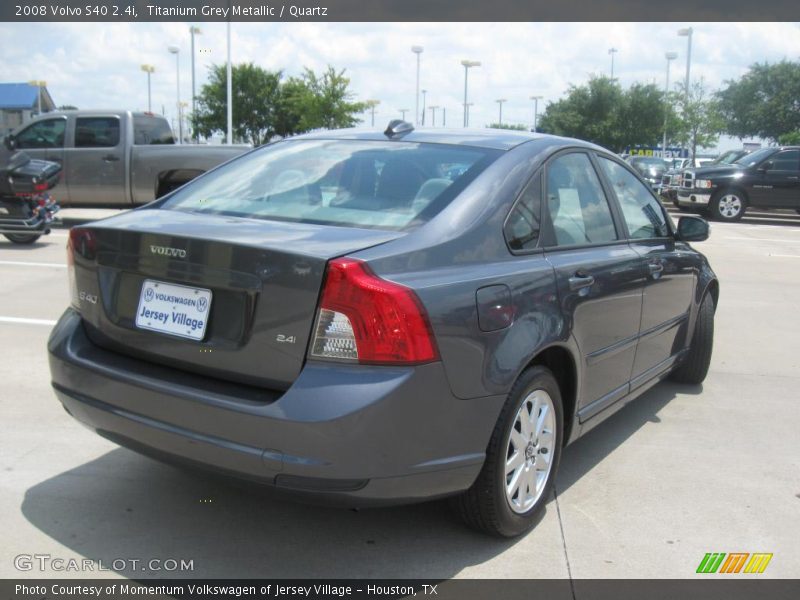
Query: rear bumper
[692,198]
[343,434]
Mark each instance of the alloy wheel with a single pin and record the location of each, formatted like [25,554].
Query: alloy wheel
[530,451]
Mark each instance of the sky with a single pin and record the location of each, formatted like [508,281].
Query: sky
[97,65]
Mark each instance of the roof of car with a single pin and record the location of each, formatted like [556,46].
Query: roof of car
[501,139]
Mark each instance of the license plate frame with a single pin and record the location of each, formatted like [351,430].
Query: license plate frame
[173,309]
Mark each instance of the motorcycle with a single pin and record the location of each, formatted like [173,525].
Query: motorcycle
[26,208]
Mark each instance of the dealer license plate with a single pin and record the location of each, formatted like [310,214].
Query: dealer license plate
[173,309]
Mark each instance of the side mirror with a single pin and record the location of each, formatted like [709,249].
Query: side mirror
[692,229]
[10,142]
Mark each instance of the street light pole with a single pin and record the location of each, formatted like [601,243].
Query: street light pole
[612,52]
[193,30]
[467,64]
[500,103]
[670,56]
[371,104]
[433,115]
[418,51]
[229,90]
[176,51]
[687,33]
[535,110]
[403,112]
[148,69]
[424,98]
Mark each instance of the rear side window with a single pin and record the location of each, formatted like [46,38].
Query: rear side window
[576,204]
[641,211]
[96,132]
[523,223]
[389,185]
[788,160]
[149,130]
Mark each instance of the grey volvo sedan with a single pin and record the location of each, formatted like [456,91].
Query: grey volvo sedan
[371,318]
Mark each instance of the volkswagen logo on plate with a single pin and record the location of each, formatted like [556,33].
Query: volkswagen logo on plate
[202,304]
[148,294]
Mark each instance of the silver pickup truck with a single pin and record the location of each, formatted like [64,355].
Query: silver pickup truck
[113,158]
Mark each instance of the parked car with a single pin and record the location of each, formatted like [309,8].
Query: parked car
[113,158]
[346,315]
[671,181]
[651,168]
[765,178]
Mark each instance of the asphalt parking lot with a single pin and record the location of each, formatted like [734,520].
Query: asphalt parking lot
[681,472]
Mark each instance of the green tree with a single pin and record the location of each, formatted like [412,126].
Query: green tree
[511,126]
[322,101]
[790,139]
[589,112]
[641,116]
[256,94]
[763,102]
[700,122]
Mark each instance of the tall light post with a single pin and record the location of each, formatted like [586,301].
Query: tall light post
[433,115]
[403,112]
[687,33]
[418,51]
[371,104]
[40,85]
[500,102]
[670,56]
[424,97]
[612,52]
[193,31]
[229,89]
[149,69]
[176,51]
[535,110]
[467,65]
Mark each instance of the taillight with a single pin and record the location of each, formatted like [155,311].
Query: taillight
[82,242]
[366,319]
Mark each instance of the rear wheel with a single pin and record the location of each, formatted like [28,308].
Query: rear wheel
[521,460]
[728,205]
[694,367]
[20,209]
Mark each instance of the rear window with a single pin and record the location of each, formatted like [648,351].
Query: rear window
[372,184]
[149,130]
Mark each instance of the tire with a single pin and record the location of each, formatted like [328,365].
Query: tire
[20,209]
[22,238]
[488,505]
[728,205]
[694,367]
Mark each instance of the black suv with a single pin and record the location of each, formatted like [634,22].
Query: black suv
[766,178]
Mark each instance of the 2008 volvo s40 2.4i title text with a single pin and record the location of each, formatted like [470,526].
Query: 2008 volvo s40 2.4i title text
[371,317]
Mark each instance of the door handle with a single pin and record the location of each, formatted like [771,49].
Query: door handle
[655,268]
[110,158]
[580,281]
[794,178]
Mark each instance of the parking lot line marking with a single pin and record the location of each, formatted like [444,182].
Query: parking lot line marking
[20,263]
[784,255]
[752,239]
[22,321]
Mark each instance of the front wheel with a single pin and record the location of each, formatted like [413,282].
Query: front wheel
[728,205]
[521,460]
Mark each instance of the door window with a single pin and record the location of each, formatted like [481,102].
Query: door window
[97,132]
[43,134]
[642,212]
[788,160]
[577,206]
